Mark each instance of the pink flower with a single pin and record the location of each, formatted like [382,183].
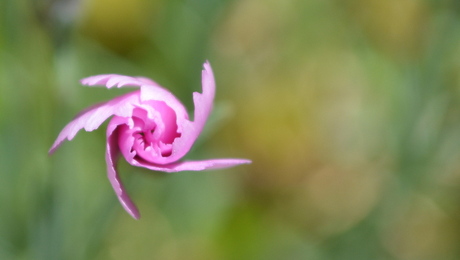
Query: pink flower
[149,127]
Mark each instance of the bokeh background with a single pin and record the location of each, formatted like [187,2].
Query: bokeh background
[350,111]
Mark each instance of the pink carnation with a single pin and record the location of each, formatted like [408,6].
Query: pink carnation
[149,127]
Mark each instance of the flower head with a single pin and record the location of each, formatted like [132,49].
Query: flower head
[149,127]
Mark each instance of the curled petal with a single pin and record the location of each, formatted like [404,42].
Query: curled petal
[111,157]
[191,130]
[92,117]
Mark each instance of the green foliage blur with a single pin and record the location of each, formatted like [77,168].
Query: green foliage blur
[350,111]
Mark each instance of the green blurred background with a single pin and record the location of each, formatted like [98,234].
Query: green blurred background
[350,111]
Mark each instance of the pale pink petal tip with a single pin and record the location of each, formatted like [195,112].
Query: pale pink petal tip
[115,80]
[129,206]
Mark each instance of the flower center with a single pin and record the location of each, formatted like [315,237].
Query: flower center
[149,135]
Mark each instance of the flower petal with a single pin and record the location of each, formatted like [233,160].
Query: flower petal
[92,117]
[191,130]
[111,158]
[115,80]
[190,165]
[203,105]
